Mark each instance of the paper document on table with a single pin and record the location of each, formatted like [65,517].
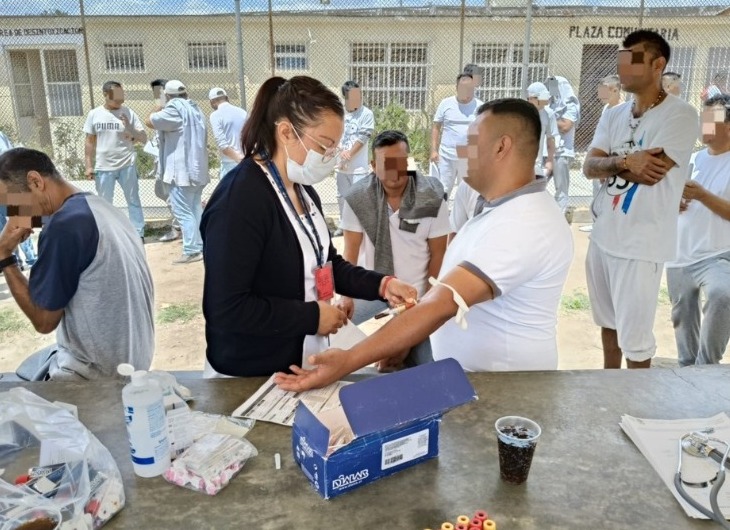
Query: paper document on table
[347,336]
[270,403]
[658,441]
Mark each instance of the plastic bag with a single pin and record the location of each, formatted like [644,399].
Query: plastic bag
[61,471]
[210,463]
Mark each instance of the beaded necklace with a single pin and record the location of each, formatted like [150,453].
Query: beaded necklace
[634,121]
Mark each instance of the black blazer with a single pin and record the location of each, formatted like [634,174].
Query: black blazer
[253,295]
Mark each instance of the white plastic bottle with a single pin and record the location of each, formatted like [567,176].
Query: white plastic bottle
[144,413]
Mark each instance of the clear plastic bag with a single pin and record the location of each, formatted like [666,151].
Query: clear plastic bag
[53,468]
[210,463]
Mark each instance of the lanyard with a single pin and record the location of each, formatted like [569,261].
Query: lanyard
[315,241]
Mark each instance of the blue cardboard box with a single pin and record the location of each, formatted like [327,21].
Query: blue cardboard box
[394,421]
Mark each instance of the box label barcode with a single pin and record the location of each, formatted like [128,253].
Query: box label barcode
[403,450]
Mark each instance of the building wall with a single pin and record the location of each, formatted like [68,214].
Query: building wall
[327,40]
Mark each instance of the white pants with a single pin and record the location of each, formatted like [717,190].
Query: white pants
[623,294]
[448,169]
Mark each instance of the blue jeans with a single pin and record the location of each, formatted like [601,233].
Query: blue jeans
[26,246]
[226,167]
[186,207]
[129,183]
[701,338]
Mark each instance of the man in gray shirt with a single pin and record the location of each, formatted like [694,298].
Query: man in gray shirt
[91,282]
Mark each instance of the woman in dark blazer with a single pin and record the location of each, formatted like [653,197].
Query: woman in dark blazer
[270,266]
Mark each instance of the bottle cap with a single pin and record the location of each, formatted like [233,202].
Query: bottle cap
[125,370]
[139,378]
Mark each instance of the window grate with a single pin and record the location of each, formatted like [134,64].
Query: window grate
[207,57]
[124,58]
[503,68]
[397,72]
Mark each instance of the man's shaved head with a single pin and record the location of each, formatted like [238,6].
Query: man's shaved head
[518,119]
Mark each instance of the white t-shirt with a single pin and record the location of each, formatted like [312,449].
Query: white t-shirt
[523,247]
[226,123]
[455,119]
[465,203]
[114,145]
[703,234]
[634,221]
[312,343]
[411,254]
[359,126]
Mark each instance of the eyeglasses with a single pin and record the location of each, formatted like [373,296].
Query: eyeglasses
[329,152]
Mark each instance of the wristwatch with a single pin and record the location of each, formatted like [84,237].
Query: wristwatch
[7,262]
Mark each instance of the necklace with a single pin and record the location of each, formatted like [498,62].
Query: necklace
[635,121]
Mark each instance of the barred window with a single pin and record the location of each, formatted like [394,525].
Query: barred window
[124,57]
[23,87]
[62,83]
[386,72]
[503,68]
[207,57]
[682,63]
[291,57]
[718,61]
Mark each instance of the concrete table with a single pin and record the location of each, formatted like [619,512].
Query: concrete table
[586,472]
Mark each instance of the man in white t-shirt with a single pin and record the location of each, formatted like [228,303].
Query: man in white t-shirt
[152,147]
[702,265]
[538,95]
[226,123]
[395,222]
[642,147]
[183,163]
[609,93]
[359,127]
[450,124]
[111,132]
[566,107]
[494,306]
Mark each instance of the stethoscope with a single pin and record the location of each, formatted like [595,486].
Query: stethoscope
[698,444]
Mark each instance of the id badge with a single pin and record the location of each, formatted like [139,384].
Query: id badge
[324,279]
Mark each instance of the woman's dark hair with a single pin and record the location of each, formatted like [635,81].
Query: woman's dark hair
[301,100]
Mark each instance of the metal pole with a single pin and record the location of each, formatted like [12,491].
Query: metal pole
[86,54]
[641,14]
[461,35]
[239,42]
[526,47]
[271,42]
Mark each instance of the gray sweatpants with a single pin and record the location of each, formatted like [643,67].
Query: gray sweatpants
[701,340]
[561,179]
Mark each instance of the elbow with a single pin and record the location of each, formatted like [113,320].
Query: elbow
[44,328]
[587,169]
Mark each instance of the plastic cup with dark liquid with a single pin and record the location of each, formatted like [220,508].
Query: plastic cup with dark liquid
[516,440]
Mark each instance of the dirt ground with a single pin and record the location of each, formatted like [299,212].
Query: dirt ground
[180,339]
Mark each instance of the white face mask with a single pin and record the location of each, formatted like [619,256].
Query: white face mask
[312,171]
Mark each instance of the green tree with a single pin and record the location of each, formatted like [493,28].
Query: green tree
[415,125]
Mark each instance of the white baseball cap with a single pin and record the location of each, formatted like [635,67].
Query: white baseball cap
[216,93]
[175,88]
[539,91]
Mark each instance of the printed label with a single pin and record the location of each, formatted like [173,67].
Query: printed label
[404,449]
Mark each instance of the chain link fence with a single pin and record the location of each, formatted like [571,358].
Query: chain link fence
[56,54]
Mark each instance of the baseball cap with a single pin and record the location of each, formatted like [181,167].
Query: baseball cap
[175,88]
[216,93]
[539,91]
